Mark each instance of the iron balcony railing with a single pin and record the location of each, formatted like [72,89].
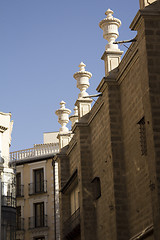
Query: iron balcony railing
[20,224]
[38,150]
[72,225]
[37,187]
[20,191]
[38,221]
[8,194]
[8,201]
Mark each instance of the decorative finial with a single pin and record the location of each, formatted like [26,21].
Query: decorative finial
[110,27]
[82,67]
[74,117]
[62,103]
[109,14]
[82,78]
[76,111]
[63,117]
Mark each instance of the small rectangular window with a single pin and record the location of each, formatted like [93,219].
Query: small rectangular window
[142,132]
[18,184]
[74,198]
[96,188]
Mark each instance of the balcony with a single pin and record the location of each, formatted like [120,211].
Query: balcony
[20,224]
[37,188]
[20,191]
[38,150]
[38,222]
[8,201]
[72,225]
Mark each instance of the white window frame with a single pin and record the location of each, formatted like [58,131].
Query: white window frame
[37,165]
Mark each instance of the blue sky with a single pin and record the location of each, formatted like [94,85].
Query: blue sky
[42,44]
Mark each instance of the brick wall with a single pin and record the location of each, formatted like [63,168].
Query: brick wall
[107,145]
[136,164]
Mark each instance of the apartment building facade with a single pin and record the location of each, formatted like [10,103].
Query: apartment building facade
[36,189]
[109,163]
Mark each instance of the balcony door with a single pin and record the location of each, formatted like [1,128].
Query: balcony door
[18,184]
[39,180]
[39,214]
[18,217]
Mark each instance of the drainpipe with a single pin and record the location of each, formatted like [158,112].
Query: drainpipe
[54,193]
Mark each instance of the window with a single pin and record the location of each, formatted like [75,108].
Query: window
[39,180]
[96,188]
[18,218]
[39,217]
[39,214]
[39,185]
[74,197]
[142,132]
[18,185]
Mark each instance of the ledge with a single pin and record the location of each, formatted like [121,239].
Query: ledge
[69,182]
[150,10]
[32,159]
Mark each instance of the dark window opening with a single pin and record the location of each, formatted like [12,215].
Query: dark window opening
[142,132]
[96,184]
[39,214]
[19,220]
[18,215]
[19,187]
[39,180]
